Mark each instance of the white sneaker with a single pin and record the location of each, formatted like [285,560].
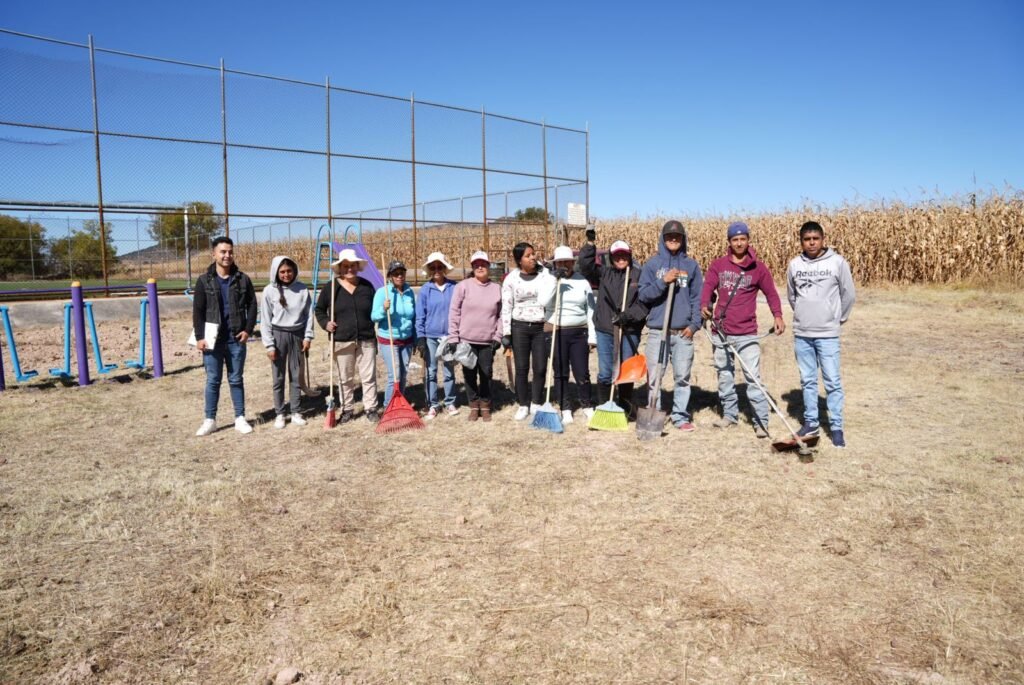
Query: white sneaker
[209,425]
[298,420]
[242,426]
[566,416]
[534,408]
[451,410]
[588,412]
[522,413]
[431,414]
[279,423]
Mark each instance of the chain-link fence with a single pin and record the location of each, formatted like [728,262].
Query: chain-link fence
[121,167]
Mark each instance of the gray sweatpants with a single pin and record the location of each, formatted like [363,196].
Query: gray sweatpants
[289,356]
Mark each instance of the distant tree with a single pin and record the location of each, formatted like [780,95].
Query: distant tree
[79,255]
[22,247]
[535,215]
[203,225]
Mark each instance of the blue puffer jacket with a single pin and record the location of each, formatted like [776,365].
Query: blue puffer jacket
[403,312]
[432,309]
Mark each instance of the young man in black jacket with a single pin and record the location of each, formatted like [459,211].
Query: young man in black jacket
[223,318]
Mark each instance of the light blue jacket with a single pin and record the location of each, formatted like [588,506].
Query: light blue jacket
[403,312]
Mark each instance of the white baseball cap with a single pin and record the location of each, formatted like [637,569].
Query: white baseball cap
[347,255]
[563,253]
[620,246]
[478,256]
[437,257]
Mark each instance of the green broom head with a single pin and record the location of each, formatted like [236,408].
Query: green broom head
[608,417]
[547,419]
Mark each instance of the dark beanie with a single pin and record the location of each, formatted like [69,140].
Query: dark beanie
[673,226]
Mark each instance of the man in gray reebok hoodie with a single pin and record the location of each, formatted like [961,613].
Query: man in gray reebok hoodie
[821,292]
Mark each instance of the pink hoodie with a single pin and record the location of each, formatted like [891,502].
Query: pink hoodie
[475,314]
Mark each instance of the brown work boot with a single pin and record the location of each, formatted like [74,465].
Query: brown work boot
[474,410]
[485,410]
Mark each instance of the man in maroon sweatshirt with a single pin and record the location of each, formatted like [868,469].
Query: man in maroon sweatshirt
[735,278]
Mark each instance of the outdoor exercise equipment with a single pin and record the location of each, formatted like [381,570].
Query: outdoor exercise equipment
[140,363]
[12,346]
[65,370]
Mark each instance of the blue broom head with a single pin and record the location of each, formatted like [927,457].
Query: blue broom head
[547,419]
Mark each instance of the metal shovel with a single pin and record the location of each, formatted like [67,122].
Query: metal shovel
[650,421]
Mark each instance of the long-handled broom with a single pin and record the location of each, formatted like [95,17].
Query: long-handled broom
[330,421]
[547,417]
[610,416]
[399,414]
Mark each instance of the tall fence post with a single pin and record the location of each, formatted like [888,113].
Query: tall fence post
[224,145]
[31,252]
[99,175]
[412,119]
[188,252]
[330,210]
[483,165]
[544,162]
[587,176]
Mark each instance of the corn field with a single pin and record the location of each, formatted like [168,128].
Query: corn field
[949,240]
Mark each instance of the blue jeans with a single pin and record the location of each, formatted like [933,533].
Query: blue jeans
[681,353]
[449,377]
[402,355]
[810,354]
[230,353]
[749,351]
[629,345]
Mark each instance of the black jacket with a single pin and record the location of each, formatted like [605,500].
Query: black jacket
[241,303]
[609,293]
[351,311]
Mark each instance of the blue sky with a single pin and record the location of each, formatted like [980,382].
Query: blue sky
[693,108]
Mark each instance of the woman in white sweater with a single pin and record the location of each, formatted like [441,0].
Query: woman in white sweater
[524,294]
[575,336]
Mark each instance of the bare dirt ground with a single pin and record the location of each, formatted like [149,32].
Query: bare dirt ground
[134,552]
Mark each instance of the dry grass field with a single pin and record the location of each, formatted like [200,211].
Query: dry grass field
[133,552]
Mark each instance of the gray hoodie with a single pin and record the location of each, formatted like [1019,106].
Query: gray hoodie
[293,317]
[821,293]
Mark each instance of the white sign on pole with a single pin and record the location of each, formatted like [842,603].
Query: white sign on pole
[577,214]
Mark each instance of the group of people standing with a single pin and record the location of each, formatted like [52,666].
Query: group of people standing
[467,323]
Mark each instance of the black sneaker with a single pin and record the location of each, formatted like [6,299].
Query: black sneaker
[808,431]
[838,439]
[345,417]
[373,416]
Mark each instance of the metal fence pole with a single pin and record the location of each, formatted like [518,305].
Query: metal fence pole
[224,145]
[587,175]
[71,257]
[99,175]
[412,119]
[483,165]
[565,232]
[330,210]
[188,252]
[544,161]
[31,254]
[138,248]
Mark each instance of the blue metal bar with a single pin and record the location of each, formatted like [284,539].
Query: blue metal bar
[100,366]
[22,376]
[140,363]
[65,371]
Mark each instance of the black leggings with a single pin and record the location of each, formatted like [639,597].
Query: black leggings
[528,340]
[572,352]
[478,379]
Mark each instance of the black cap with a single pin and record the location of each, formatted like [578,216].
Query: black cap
[396,265]
[673,226]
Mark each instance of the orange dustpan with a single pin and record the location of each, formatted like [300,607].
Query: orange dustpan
[633,370]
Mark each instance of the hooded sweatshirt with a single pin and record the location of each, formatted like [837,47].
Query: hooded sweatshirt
[403,314]
[432,309]
[609,293]
[745,279]
[821,293]
[475,315]
[576,305]
[654,290]
[294,315]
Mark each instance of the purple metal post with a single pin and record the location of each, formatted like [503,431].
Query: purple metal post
[154,328]
[78,316]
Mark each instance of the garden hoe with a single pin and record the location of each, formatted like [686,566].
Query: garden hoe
[650,421]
